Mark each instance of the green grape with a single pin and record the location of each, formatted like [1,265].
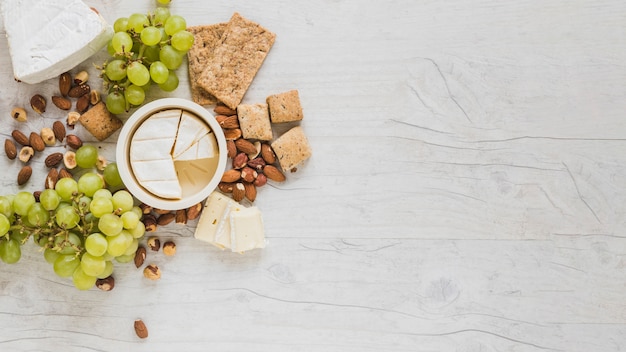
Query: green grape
[130,220]
[69,245]
[37,215]
[22,202]
[135,95]
[160,15]
[138,74]
[125,258]
[6,206]
[117,245]
[103,193]
[182,41]
[66,188]
[108,270]
[150,36]
[132,248]
[116,103]
[163,2]
[92,265]
[171,57]
[65,265]
[171,84]
[159,72]
[10,251]
[110,224]
[115,70]
[101,206]
[122,201]
[120,24]
[174,24]
[137,210]
[50,255]
[96,244]
[49,199]
[122,42]
[112,176]
[19,234]
[151,53]
[87,157]
[137,22]
[5,225]
[110,49]
[89,183]
[67,217]
[90,222]
[82,280]
[138,231]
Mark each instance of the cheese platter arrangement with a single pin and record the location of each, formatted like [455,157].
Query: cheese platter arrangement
[200,158]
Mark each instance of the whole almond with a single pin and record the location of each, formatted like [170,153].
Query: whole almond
[10,149]
[224,110]
[61,102]
[20,138]
[73,141]
[24,175]
[267,153]
[273,173]
[140,329]
[59,130]
[140,256]
[248,174]
[249,191]
[79,90]
[240,160]
[82,104]
[165,219]
[245,146]
[36,142]
[38,103]
[54,159]
[51,179]
[65,173]
[232,133]
[227,121]
[181,216]
[226,187]
[65,83]
[231,175]
[194,211]
[239,191]
[231,149]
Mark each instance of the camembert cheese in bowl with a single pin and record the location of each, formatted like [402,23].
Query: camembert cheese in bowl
[171,153]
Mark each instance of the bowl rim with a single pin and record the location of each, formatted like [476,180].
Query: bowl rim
[122,154]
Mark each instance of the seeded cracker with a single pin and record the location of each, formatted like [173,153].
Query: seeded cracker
[236,59]
[205,40]
[99,121]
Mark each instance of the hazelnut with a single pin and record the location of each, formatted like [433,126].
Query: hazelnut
[69,159]
[19,114]
[25,154]
[154,243]
[101,163]
[94,97]
[47,134]
[106,284]
[72,118]
[152,272]
[38,103]
[169,248]
[81,77]
[140,256]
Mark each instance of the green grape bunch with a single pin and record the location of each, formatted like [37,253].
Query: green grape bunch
[81,225]
[145,50]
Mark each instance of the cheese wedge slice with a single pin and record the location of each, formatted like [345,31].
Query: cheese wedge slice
[49,37]
[246,230]
[213,218]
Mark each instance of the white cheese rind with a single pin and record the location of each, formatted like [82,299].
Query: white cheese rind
[49,37]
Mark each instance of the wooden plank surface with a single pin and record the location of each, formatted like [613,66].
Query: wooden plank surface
[466,192]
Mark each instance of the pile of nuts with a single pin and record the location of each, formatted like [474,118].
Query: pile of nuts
[253,162]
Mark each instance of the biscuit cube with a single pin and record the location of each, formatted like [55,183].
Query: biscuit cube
[292,148]
[100,122]
[254,121]
[285,107]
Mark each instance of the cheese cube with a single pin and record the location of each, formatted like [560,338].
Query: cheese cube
[246,230]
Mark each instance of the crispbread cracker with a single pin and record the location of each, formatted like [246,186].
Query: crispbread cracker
[292,148]
[205,39]
[100,122]
[236,59]
[285,107]
[254,121]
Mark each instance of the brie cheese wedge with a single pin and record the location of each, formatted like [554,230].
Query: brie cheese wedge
[49,37]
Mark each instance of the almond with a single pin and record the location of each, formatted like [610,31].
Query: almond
[224,110]
[166,219]
[140,256]
[59,130]
[239,191]
[24,175]
[273,173]
[61,102]
[248,174]
[79,90]
[231,149]
[257,163]
[226,187]
[240,160]
[267,153]
[10,149]
[194,211]
[249,191]
[38,103]
[36,142]
[227,121]
[20,138]
[231,175]
[82,104]
[260,180]
[65,83]
[54,159]
[73,141]
[65,173]
[181,216]
[232,133]
[51,179]
[245,146]
[140,328]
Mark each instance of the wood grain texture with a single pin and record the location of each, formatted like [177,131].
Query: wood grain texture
[466,192]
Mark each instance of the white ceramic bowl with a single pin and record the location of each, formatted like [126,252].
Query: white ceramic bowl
[190,196]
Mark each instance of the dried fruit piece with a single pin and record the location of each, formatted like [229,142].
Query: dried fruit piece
[25,154]
[73,141]
[169,248]
[79,90]
[10,149]
[154,243]
[24,175]
[69,159]
[231,175]
[273,173]
[20,138]
[19,114]
[59,130]
[140,256]
[38,103]
[51,179]
[152,272]
[140,329]
[36,142]
[239,191]
[106,284]
[48,137]
[53,159]
[65,83]
[61,102]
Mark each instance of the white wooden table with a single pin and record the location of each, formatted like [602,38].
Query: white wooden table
[466,192]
